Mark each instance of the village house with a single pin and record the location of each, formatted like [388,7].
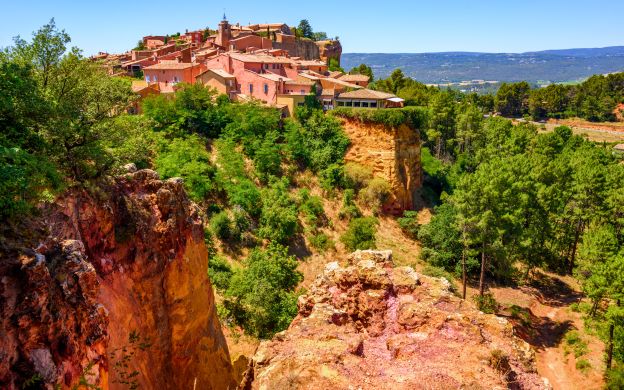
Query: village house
[366,98]
[357,79]
[168,74]
[246,63]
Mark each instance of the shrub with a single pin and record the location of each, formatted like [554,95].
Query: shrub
[262,295]
[499,361]
[278,220]
[317,142]
[312,208]
[267,157]
[360,234]
[615,379]
[187,158]
[222,225]
[332,177]
[583,365]
[441,240]
[575,342]
[349,208]
[357,176]
[232,178]
[220,272]
[486,303]
[321,242]
[409,224]
[376,193]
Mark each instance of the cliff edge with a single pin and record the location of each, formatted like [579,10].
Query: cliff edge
[114,292]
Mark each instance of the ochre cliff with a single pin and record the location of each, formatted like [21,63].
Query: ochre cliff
[116,292]
[329,49]
[370,325]
[391,153]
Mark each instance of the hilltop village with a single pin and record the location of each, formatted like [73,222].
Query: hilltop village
[270,63]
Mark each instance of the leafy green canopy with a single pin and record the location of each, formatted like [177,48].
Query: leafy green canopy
[57,112]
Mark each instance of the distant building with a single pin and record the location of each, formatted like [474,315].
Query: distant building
[168,74]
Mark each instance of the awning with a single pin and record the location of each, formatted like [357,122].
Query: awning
[396,99]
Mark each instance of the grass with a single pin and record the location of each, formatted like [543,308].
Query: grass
[575,343]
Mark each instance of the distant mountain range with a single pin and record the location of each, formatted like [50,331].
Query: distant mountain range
[546,66]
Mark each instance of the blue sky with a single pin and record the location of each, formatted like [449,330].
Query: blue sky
[363,26]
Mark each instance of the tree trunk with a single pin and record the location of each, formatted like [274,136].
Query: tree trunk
[464,273]
[610,348]
[577,236]
[482,276]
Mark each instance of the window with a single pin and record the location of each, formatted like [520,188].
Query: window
[250,88]
[266,88]
[155,78]
[303,91]
[175,79]
[373,104]
[348,104]
[341,104]
[147,78]
[356,104]
[364,104]
[265,66]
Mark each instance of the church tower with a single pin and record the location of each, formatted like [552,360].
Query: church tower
[224,34]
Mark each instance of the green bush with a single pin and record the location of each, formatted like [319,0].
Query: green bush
[357,176]
[376,193]
[486,303]
[360,234]
[312,208]
[187,158]
[220,272]
[583,365]
[409,224]
[232,178]
[278,220]
[349,209]
[332,177]
[222,226]
[261,296]
[615,379]
[321,242]
[575,342]
[317,142]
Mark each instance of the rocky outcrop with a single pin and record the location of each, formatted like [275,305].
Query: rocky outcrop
[330,49]
[303,48]
[117,294]
[369,325]
[391,153]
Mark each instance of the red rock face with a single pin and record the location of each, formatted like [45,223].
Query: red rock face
[118,293]
[392,154]
[368,325]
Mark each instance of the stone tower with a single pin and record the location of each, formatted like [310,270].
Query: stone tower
[224,34]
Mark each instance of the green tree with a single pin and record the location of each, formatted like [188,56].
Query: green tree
[512,99]
[262,294]
[279,219]
[360,234]
[305,30]
[363,69]
[441,130]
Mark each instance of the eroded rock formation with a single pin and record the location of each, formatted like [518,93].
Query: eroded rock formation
[329,49]
[368,325]
[391,153]
[116,292]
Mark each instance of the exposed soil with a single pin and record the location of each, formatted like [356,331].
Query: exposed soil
[594,131]
[548,319]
